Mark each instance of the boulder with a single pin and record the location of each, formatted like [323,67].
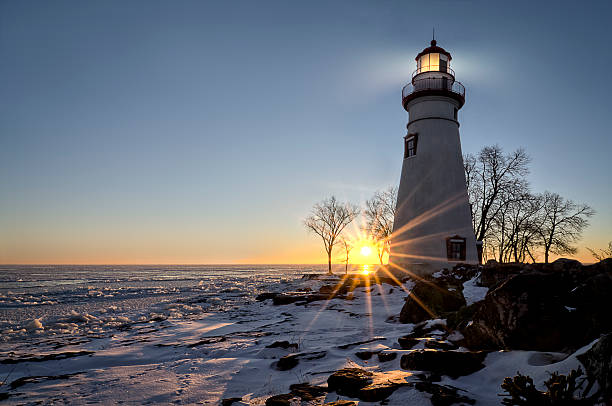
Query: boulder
[443,395]
[439,345]
[598,364]
[364,355]
[428,300]
[307,392]
[525,312]
[230,401]
[407,342]
[341,403]
[348,381]
[365,385]
[591,301]
[283,344]
[385,356]
[450,363]
[566,264]
[287,362]
[280,400]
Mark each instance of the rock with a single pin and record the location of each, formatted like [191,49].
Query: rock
[428,300]
[265,296]
[34,325]
[348,381]
[341,403]
[439,345]
[364,355]
[282,344]
[384,356]
[443,395]
[493,274]
[287,362]
[598,364]
[280,400]
[564,264]
[365,385]
[407,342]
[230,401]
[347,346]
[591,301]
[525,312]
[450,363]
[307,392]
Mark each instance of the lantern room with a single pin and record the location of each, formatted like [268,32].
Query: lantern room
[433,59]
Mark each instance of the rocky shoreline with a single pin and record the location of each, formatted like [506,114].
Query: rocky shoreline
[456,319]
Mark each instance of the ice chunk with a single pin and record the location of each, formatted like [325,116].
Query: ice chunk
[34,325]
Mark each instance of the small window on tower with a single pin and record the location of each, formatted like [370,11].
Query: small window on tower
[410,145]
[455,248]
[455,114]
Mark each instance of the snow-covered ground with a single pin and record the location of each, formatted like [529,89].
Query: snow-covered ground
[203,338]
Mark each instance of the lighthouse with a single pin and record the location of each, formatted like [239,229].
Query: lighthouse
[433,223]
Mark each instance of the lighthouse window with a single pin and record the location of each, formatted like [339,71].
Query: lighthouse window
[410,145]
[455,248]
[455,113]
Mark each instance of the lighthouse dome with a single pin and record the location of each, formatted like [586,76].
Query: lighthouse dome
[433,59]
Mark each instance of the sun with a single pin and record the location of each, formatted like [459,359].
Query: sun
[366,251]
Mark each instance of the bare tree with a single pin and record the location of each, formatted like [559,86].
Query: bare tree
[328,219]
[562,223]
[492,177]
[516,226]
[603,253]
[347,246]
[379,215]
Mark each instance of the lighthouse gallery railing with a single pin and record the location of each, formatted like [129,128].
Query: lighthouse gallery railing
[443,84]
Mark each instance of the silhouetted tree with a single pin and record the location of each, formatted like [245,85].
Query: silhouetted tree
[493,179]
[379,214]
[603,253]
[562,223]
[346,246]
[328,219]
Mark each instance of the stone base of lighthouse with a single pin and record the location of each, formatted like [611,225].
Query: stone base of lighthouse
[433,222]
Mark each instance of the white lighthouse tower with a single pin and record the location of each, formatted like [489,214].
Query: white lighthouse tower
[433,223]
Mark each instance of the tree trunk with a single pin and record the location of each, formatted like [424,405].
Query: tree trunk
[546,255]
[329,263]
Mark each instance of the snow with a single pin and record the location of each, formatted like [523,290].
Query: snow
[188,341]
[472,292]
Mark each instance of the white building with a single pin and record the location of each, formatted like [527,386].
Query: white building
[433,223]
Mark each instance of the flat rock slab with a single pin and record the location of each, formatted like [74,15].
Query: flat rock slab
[443,395]
[365,385]
[450,363]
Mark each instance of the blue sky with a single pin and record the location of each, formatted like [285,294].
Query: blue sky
[203,132]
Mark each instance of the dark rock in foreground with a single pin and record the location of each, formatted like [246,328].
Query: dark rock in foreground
[443,395]
[428,300]
[280,400]
[598,364]
[230,401]
[299,392]
[287,362]
[365,385]
[307,392]
[385,356]
[450,363]
[283,344]
[544,307]
[348,381]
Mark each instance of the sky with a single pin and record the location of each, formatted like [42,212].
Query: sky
[204,131]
